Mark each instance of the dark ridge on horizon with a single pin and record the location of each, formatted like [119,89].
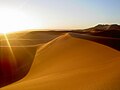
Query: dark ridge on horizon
[106,27]
[106,30]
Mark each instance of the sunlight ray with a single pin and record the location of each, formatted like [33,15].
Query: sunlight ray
[11,51]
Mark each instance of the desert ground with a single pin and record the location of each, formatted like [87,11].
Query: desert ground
[60,60]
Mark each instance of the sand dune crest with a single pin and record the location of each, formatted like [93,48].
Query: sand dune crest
[69,63]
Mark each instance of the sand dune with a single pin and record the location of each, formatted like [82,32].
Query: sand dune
[70,63]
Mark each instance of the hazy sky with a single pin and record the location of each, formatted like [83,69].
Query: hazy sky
[67,13]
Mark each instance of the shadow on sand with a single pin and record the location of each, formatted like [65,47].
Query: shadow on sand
[15,62]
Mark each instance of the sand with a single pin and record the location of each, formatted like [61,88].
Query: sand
[71,63]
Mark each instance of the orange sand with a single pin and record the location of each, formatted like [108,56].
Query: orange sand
[69,63]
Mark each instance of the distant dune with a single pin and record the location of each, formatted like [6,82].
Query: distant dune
[104,27]
[71,63]
[105,30]
[110,33]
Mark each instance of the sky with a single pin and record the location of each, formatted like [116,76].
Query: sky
[66,14]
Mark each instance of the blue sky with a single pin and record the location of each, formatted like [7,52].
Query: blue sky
[67,13]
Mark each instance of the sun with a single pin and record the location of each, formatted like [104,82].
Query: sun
[12,20]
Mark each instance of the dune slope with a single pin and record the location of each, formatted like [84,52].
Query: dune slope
[69,63]
[15,63]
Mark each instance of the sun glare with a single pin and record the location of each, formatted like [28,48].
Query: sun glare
[13,20]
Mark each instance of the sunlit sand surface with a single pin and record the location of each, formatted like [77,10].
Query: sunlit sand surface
[67,62]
